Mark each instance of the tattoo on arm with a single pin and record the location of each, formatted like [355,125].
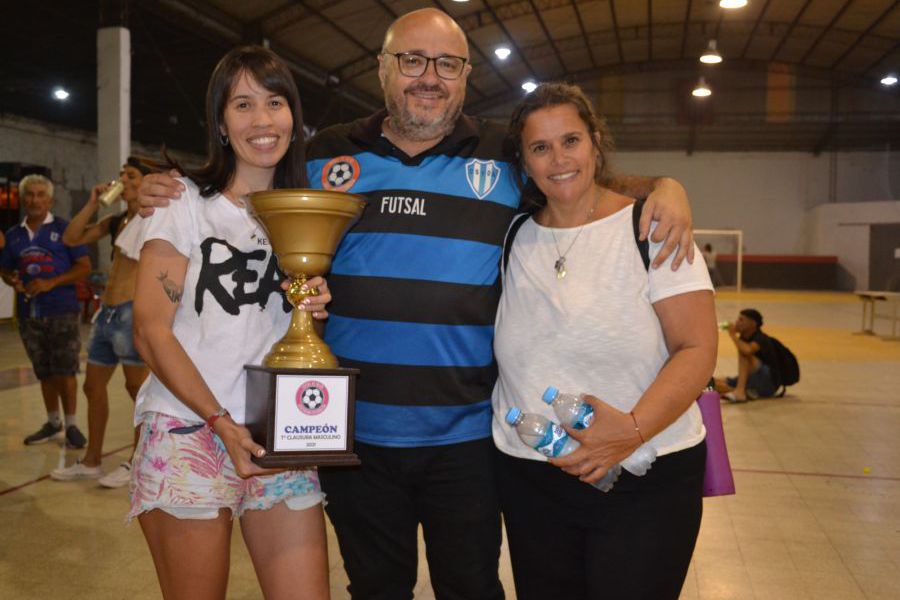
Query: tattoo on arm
[172,290]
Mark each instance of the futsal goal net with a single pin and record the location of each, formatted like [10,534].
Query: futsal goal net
[728,248]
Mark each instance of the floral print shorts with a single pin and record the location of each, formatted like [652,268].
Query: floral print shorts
[188,473]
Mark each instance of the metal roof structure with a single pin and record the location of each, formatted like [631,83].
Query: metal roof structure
[799,75]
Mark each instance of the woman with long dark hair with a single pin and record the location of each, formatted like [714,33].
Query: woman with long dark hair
[209,301]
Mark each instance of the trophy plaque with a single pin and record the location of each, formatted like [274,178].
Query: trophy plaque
[299,401]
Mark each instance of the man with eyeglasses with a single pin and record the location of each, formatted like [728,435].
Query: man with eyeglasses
[415,292]
[415,288]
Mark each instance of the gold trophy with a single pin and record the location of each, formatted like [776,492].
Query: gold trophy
[300,402]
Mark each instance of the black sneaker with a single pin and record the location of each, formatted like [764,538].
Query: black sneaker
[74,438]
[47,431]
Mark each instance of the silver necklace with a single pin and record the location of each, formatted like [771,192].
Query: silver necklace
[560,264]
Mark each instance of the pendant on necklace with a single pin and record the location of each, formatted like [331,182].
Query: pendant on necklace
[560,267]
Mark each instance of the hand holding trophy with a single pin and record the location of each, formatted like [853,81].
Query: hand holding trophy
[300,402]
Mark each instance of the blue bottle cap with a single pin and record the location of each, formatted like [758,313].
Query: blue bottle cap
[512,415]
[550,394]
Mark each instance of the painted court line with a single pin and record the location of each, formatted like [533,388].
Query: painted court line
[810,474]
[47,476]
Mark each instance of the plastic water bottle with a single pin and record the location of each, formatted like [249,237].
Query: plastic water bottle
[551,440]
[571,410]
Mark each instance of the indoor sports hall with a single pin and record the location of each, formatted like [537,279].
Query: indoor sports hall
[781,119]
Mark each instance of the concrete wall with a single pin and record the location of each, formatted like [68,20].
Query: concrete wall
[771,195]
[69,153]
[786,203]
[842,229]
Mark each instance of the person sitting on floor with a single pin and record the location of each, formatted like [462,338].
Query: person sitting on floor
[756,376]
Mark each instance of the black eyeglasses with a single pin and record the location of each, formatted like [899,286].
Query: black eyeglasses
[415,65]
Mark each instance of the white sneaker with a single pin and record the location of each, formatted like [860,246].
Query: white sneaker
[75,472]
[118,478]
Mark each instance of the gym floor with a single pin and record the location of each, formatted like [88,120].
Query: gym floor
[816,514]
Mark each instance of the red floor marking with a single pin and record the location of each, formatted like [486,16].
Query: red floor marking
[47,476]
[807,474]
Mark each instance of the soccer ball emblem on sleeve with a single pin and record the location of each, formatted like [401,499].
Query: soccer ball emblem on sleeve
[340,173]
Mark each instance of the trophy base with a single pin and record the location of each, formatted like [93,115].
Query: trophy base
[302,417]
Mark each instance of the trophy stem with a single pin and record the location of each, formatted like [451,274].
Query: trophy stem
[301,347]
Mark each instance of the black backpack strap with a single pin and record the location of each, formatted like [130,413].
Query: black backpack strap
[514,227]
[643,247]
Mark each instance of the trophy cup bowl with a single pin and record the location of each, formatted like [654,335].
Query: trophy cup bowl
[304,227]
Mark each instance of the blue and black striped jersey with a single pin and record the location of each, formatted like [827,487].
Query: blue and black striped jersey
[415,281]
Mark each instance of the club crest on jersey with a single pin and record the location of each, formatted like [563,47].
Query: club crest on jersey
[482,176]
[340,173]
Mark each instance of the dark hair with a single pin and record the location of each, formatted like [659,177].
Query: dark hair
[269,71]
[139,164]
[547,95]
[753,315]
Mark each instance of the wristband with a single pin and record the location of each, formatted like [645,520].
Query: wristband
[636,428]
[211,419]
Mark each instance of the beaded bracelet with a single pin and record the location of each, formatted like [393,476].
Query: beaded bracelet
[636,428]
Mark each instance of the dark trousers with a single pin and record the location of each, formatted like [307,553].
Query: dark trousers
[376,509]
[569,540]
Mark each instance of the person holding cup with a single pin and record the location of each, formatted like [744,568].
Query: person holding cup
[111,339]
[208,300]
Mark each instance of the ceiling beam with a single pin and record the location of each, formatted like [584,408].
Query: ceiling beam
[880,60]
[485,58]
[344,33]
[756,23]
[587,43]
[615,22]
[825,31]
[684,29]
[685,64]
[230,32]
[649,29]
[286,15]
[832,127]
[692,137]
[512,41]
[865,33]
[543,25]
[790,30]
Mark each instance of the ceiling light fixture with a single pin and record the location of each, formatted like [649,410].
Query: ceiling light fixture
[701,90]
[711,56]
[60,94]
[889,80]
[529,86]
[502,52]
[732,3]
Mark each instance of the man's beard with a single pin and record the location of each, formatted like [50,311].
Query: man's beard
[417,128]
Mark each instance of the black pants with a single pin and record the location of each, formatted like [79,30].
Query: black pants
[376,510]
[569,540]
